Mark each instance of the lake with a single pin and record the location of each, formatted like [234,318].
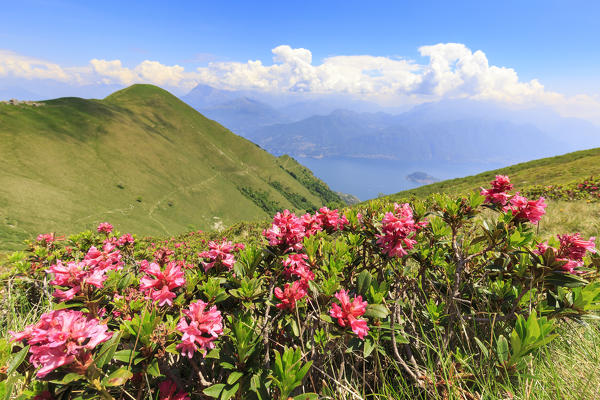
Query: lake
[367,178]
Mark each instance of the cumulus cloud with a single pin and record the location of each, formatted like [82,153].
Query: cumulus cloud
[452,71]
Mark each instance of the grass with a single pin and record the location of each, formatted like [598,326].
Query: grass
[141,159]
[552,170]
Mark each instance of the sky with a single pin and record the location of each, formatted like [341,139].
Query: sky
[523,52]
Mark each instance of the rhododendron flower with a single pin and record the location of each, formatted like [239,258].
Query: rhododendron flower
[62,337]
[526,210]
[75,275]
[108,258]
[286,232]
[105,227]
[203,328]
[160,288]
[291,294]
[125,239]
[398,229]
[574,247]
[571,251]
[168,391]
[348,313]
[311,224]
[48,238]
[330,220]
[498,193]
[220,254]
[296,265]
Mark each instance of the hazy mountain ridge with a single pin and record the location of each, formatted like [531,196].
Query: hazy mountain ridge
[451,130]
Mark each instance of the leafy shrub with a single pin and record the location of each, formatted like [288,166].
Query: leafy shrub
[326,303]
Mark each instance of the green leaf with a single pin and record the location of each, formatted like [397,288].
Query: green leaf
[153,369]
[214,391]
[68,378]
[482,347]
[376,311]
[363,281]
[368,347]
[234,377]
[307,396]
[62,306]
[226,394]
[17,360]
[119,377]
[107,350]
[125,355]
[502,349]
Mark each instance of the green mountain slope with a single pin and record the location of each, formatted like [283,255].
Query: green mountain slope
[545,171]
[141,159]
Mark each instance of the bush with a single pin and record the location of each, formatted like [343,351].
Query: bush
[387,295]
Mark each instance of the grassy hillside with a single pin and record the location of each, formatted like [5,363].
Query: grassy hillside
[140,158]
[552,170]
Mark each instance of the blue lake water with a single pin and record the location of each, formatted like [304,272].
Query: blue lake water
[367,178]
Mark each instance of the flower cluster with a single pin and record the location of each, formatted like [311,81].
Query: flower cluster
[48,238]
[348,313]
[286,232]
[168,391]
[105,227]
[159,285]
[571,251]
[91,271]
[522,209]
[330,220]
[220,254]
[203,328]
[398,229]
[498,193]
[290,294]
[62,337]
[295,265]
[108,259]
[526,210]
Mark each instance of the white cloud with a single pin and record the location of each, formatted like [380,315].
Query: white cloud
[452,71]
[13,64]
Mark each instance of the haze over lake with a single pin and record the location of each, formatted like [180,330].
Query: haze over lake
[367,178]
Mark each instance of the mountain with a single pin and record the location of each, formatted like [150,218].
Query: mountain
[141,159]
[244,115]
[558,170]
[345,133]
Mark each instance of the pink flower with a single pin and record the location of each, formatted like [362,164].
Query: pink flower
[574,247]
[348,314]
[526,210]
[295,265]
[571,251]
[498,193]
[291,294]
[219,254]
[398,229]
[160,288]
[48,238]
[62,337]
[311,224]
[330,220]
[105,227]
[108,258]
[201,331]
[167,391]
[125,239]
[75,275]
[286,232]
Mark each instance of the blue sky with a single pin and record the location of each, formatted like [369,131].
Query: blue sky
[555,42]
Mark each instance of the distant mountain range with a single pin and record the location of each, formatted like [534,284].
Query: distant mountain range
[451,130]
[141,159]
